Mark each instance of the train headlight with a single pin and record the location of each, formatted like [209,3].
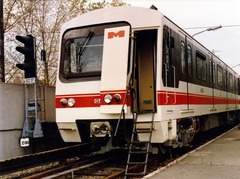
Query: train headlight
[71,102]
[100,129]
[117,98]
[108,98]
[95,129]
[104,129]
[63,102]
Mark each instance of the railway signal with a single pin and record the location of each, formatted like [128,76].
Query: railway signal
[29,65]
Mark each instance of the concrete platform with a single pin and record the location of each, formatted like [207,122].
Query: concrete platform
[218,159]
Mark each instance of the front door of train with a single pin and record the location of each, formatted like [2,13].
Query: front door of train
[144,93]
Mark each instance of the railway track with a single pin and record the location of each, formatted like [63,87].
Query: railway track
[98,165]
[43,158]
[107,166]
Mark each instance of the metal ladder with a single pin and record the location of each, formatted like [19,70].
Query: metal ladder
[32,127]
[133,152]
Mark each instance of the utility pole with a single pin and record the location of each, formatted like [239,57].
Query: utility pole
[2,69]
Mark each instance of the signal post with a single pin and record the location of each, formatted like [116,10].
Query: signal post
[32,126]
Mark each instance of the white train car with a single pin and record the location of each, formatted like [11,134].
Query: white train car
[121,64]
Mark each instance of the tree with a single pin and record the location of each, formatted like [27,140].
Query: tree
[43,20]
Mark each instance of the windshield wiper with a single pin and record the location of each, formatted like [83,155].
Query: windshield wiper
[85,43]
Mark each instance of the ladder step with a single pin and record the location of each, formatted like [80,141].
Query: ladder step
[136,163]
[142,131]
[138,152]
[30,116]
[143,122]
[134,174]
[143,128]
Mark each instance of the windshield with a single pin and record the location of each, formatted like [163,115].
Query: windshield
[82,50]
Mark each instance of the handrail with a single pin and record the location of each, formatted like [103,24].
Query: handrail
[174,85]
[166,82]
[122,112]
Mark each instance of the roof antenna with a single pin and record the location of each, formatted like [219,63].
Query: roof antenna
[153,7]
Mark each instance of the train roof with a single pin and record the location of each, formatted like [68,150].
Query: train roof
[136,16]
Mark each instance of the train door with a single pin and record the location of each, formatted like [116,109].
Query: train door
[226,87]
[236,91]
[144,93]
[212,80]
[186,70]
[114,66]
[168,69]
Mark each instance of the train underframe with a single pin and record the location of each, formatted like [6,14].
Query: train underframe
[102,132]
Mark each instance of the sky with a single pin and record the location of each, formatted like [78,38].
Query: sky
[198,15]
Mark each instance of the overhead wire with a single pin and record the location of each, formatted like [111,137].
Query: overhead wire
[236,25]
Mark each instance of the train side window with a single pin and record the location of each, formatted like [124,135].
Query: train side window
[189,60]
[230,81]
[166,48]
[212,71]
[201,67]
[220,76]
[183,63]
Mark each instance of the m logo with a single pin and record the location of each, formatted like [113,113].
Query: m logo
[120,33]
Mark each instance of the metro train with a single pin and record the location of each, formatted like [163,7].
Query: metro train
[119,65]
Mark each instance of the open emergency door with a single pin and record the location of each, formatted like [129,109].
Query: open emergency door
[114,68]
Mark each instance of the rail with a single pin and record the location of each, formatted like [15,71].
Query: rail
[26,161]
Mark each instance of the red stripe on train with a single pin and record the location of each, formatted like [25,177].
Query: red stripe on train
[164,98]
[91,100]
[178,98]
